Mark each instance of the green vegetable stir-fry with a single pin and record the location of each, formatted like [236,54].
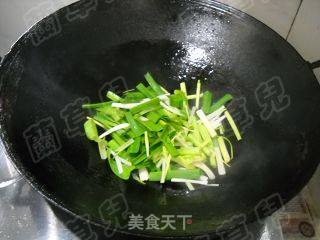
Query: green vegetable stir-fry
[153,135]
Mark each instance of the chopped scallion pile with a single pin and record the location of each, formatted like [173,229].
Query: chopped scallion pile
[153,135]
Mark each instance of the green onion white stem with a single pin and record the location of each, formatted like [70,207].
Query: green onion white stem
[135,177]
[183,88]
[124,105]
[146,140]
[171,109]
[102,150]
[205,168]
[159,164]
[114,129]
[194,96]
[118,162]
[233,125]
[219,159]
[113,96]
[163,89]
[198,94]
[181,180]
[217,113]
[203,178]
[190,186]
[224,150]
[163,171]
[144,119]
[206,123]
[143,174]
[125,146]
[97,123]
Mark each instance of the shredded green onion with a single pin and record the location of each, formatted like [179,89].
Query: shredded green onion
[91,130]
[233,125]
[151,134]
[206,102]
[114,97]
[198,94]
[146,140]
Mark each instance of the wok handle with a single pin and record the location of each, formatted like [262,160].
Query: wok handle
[315,64]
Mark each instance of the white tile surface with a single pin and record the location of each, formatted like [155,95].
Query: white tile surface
[14,18]
[305,34]
[277,14]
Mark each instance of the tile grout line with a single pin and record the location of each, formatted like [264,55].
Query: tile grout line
[294,19]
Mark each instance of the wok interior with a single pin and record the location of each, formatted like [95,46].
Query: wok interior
[232,55]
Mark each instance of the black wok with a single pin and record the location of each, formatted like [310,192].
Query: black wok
[84,49]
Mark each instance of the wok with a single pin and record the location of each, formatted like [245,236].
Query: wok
[81,51]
